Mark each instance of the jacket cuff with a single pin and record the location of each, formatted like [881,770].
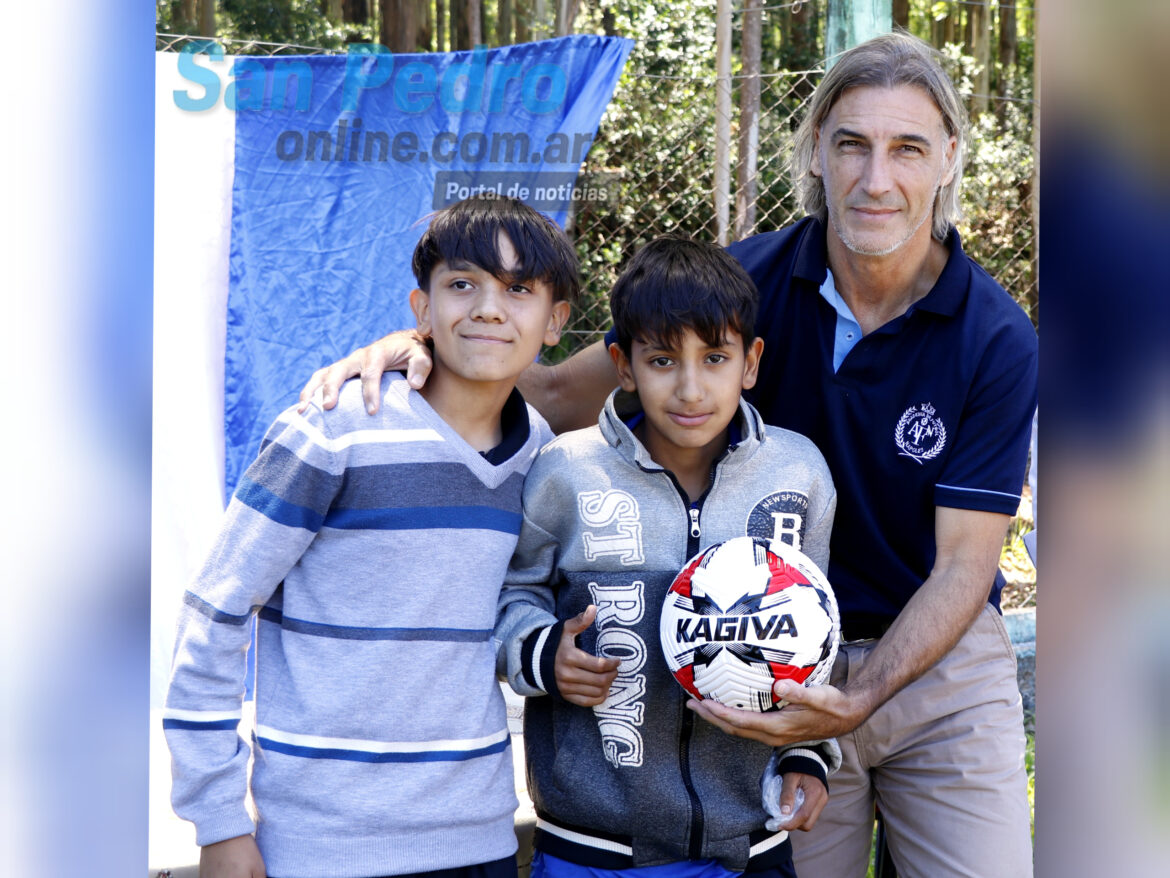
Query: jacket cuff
[232,820]
[538,658]
[804,760]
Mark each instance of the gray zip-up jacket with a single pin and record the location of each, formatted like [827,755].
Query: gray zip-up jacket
[640,780]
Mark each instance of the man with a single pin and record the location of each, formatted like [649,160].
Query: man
[915,374]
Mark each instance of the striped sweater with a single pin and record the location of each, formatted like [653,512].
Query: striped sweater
[372,550]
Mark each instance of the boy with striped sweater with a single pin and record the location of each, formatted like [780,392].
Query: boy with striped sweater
[373,550]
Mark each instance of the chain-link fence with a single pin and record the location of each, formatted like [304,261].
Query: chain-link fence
[661,165]
[654,158]
[176,42]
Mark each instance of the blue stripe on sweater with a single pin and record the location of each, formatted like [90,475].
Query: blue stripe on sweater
[347,632]
[214,613]
[410,485]
[196,726]
[426,518]
[366,756]
[474,517]
[261,499]
[296,481]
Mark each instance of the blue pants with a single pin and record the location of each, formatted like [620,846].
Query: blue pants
[547,866]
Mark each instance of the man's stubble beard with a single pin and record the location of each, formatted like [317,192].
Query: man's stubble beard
[860,249]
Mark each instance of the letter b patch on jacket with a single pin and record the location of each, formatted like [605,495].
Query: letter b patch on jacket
[780,516]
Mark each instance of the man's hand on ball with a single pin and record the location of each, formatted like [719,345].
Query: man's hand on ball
[405,349]
[812,713]
[582,678]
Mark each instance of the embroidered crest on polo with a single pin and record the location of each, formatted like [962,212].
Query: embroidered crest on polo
[919,434]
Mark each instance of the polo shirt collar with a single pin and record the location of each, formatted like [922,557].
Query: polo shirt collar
[948,293]
[812,254]
[950,289]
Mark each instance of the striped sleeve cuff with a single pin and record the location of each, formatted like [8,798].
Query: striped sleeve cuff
[538,657]
[804,760]
[978,499]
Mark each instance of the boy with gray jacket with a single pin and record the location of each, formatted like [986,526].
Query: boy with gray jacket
[677,462]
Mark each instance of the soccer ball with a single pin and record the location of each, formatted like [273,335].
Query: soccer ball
[744,613]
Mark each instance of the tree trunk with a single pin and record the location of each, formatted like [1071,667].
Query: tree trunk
[566,13]
[207,18]
[980,21]
[188,22]
[951,25]
[400,25]
[749,122]
[426,25]
[1008,39]
[460,36]
[799,33]
[851,22]
[523,19]
[722,187]
[441,42]
[608,22]
[332,10]
[900,12]
[355,11]
[475,22]
[1007,57]
[504,22]
[937,36]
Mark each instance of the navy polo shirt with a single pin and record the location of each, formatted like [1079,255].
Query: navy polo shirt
[932,409]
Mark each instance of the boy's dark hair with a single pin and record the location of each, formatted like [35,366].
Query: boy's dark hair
[468,231]
[674,284]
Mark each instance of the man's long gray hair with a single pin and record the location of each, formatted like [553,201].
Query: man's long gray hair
[886,61]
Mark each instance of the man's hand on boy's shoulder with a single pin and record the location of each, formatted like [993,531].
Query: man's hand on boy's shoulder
[405,349]
[582,678]
[237,857]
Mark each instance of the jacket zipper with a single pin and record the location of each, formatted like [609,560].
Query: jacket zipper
[686,732]
[695,847]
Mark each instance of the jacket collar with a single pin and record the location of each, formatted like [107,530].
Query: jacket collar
[621,406]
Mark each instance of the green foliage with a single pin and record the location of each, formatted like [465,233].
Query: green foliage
[296,22]
[998,181]
[279,21]
[167,16]
[655,147]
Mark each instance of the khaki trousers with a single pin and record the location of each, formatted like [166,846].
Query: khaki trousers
[944,759]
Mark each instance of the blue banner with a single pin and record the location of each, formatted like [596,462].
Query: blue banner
[338,160]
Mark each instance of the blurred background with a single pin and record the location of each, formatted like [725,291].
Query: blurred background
[657,151]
